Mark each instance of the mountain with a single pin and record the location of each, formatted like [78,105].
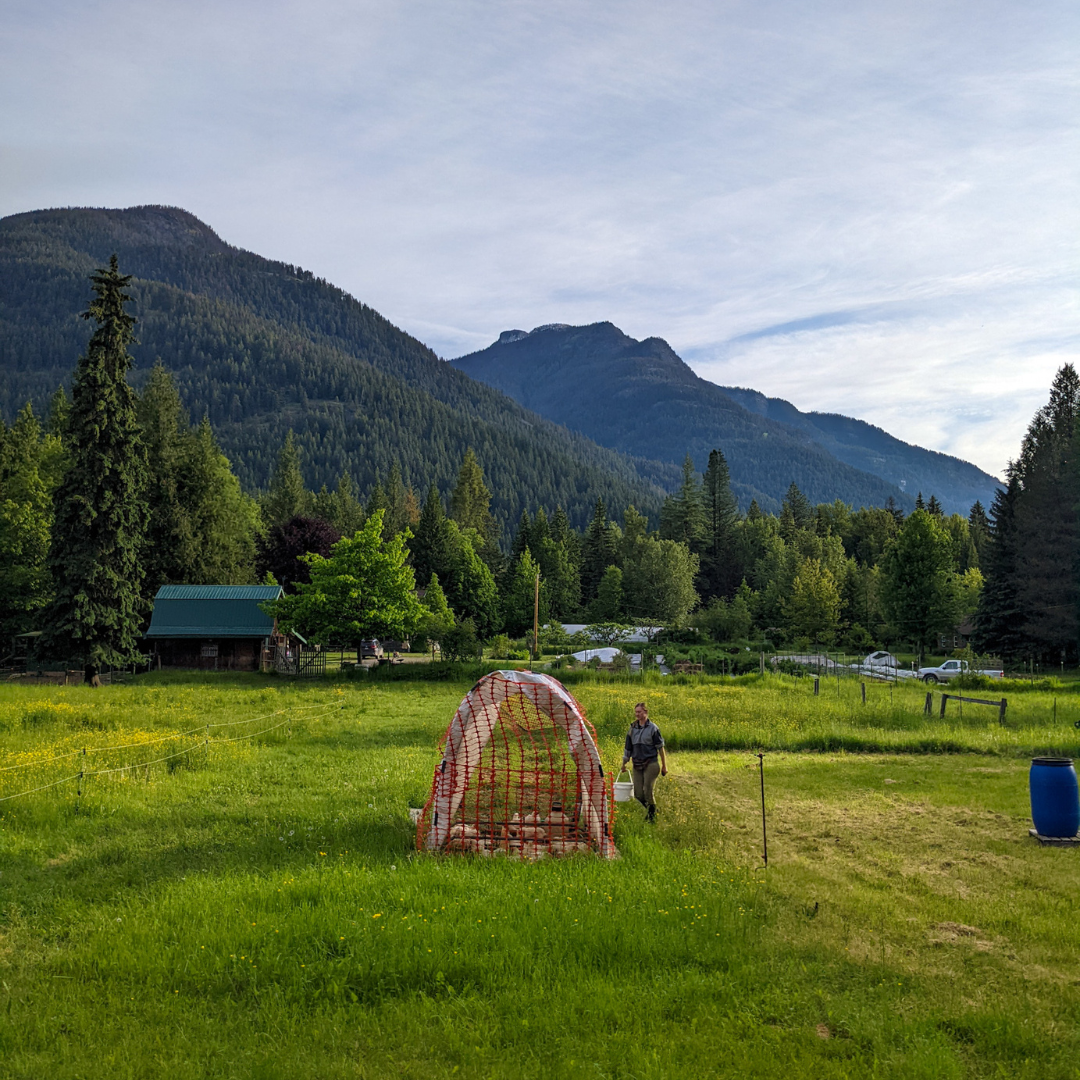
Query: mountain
[641,398]
[957,483]
[261,347]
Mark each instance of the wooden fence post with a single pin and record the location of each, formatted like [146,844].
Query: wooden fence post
[863,693]
[928,708]
[944,698]
[1001,710]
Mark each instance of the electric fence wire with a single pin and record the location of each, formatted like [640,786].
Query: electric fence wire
[156,761]
[162,738]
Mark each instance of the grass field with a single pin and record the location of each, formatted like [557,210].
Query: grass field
[255,908]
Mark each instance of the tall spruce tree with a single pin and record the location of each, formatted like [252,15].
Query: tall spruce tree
[720,569]
[1047,535]
[288,497]
[597,552]
[682,516]
[169,537]
[998,623]
[431,547]
[101,513]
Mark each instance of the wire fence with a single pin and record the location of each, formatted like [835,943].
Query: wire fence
[204,743]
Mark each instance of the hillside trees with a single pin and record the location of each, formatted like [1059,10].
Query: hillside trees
[917,586]
[283,551]
[201,527]
[1031,559]
[31,464]
[287,497]
[364,589]
[100,508]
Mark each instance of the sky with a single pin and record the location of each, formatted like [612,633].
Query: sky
[862,208]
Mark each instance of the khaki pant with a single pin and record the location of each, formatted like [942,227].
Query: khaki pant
[644,779]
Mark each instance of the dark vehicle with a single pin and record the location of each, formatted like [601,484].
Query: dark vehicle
[371,650]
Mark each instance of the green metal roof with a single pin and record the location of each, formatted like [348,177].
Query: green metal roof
[219,592]
[212,611]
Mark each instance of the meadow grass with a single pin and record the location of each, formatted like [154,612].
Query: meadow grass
[256,907]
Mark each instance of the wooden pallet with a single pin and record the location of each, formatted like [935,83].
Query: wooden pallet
[1055,841]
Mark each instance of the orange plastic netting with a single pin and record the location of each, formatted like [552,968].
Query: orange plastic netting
[520,775]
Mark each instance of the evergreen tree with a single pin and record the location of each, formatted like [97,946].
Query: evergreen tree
[812,609]
[796,502]
[100,508]
[471,589]
[430,546]
[522,539]
[998,622]
[170,540]
[558,554]
[1047,534]
[682,517]
[660,583]
[347,512]
[288,497]
[539,530]
[979,525]
[31,464]
[59,411]
[377,501]
[438,619]
[917,580]
[933,507]
[897,513]
[608,605]
[720,571]
[202,527]
[597,552]
[520,597]
[398,510]
[919,503]
[470,507]
[225,523]
[470,502]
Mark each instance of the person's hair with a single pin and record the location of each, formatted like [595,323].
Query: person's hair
[642,705]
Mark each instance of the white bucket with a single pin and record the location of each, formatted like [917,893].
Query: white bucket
[624,790]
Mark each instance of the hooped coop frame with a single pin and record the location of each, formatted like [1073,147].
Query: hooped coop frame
[520,775]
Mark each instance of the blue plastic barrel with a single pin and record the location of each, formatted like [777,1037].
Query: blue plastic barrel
[1055,799]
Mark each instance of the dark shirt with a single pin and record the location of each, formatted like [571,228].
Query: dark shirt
[643,744]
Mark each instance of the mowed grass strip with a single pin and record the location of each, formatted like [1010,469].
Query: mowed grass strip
[260,910]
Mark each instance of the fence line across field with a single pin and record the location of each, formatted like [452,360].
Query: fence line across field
[164,738]
[203,743]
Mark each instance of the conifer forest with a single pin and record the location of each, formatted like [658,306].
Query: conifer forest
[113,493]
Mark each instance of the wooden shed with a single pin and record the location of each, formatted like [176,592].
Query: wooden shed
[213,627]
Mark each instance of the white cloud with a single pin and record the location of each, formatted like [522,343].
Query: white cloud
[698,171]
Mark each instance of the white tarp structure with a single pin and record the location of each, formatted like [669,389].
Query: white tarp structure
[529,792]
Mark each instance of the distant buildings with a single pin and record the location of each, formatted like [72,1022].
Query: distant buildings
[214,627]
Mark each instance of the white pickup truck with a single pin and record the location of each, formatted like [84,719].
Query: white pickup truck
[952,668]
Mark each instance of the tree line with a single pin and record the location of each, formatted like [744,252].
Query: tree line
[115,493]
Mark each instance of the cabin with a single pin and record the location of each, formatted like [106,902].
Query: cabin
[214,627]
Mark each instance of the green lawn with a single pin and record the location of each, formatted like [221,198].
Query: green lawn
[255,908]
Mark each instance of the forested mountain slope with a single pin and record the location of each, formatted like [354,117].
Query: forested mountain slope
[641,398]
[261,347]
[957,483]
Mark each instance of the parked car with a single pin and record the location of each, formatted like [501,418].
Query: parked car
[953,668]
[371,650]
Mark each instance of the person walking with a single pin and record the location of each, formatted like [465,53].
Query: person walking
[644,744]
